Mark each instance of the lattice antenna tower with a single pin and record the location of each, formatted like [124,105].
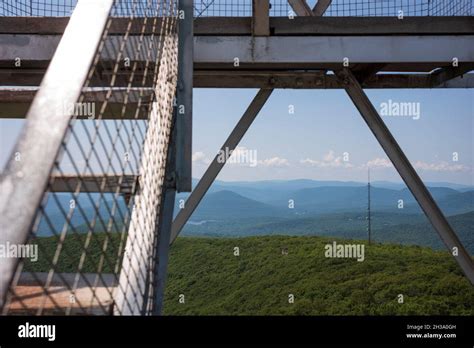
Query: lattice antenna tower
[369,217]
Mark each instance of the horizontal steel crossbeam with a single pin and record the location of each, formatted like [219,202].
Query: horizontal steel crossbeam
[280,26]
[124,184]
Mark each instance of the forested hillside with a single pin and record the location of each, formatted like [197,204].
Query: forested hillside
[259,281]
[214,281]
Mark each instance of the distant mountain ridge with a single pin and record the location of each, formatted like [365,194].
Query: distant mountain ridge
[323,200]
[240,209]
[308,183]
[226,204]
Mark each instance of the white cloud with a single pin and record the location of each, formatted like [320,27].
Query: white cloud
[441,167]
[379,163]
[199,157]
[434,167]
[330,160]
[309,162]
[329,157]
[274,162]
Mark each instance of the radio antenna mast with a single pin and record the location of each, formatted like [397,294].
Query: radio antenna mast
[369,226]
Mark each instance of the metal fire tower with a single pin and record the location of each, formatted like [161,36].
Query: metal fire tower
[106,88]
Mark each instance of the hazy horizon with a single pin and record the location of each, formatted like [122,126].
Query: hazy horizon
[345,181]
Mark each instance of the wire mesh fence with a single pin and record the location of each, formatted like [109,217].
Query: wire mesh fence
[342,8]
[237,8]
[64,8]
[451,8]
[279,8]
[378,8]
[47,8]
[96,228]
[392,8]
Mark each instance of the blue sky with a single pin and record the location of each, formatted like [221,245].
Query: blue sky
[311,142]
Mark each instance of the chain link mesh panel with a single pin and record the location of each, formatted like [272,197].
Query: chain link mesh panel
[236,8]
[46,8]
[279,8]
[342,8]
[96,227]
[451,8]
[378,8]
[392,8]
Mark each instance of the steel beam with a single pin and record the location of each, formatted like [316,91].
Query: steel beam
[407,172]
[309,51]
[353,26]
[365,71]
[321,6]
[15,102]
[464,81]
[124,184]
[184,95]
[33,77]
[290,50]
[216,166]
[300,7]
[22,183]
[446,74]
[161,270]
[298,26]
[56,25]
[260,18]
[161,256]
[317,80]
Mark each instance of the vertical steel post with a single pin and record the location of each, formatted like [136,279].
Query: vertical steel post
[369,217]
[161,256]
[260,17]
[178,175]
[184,121]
